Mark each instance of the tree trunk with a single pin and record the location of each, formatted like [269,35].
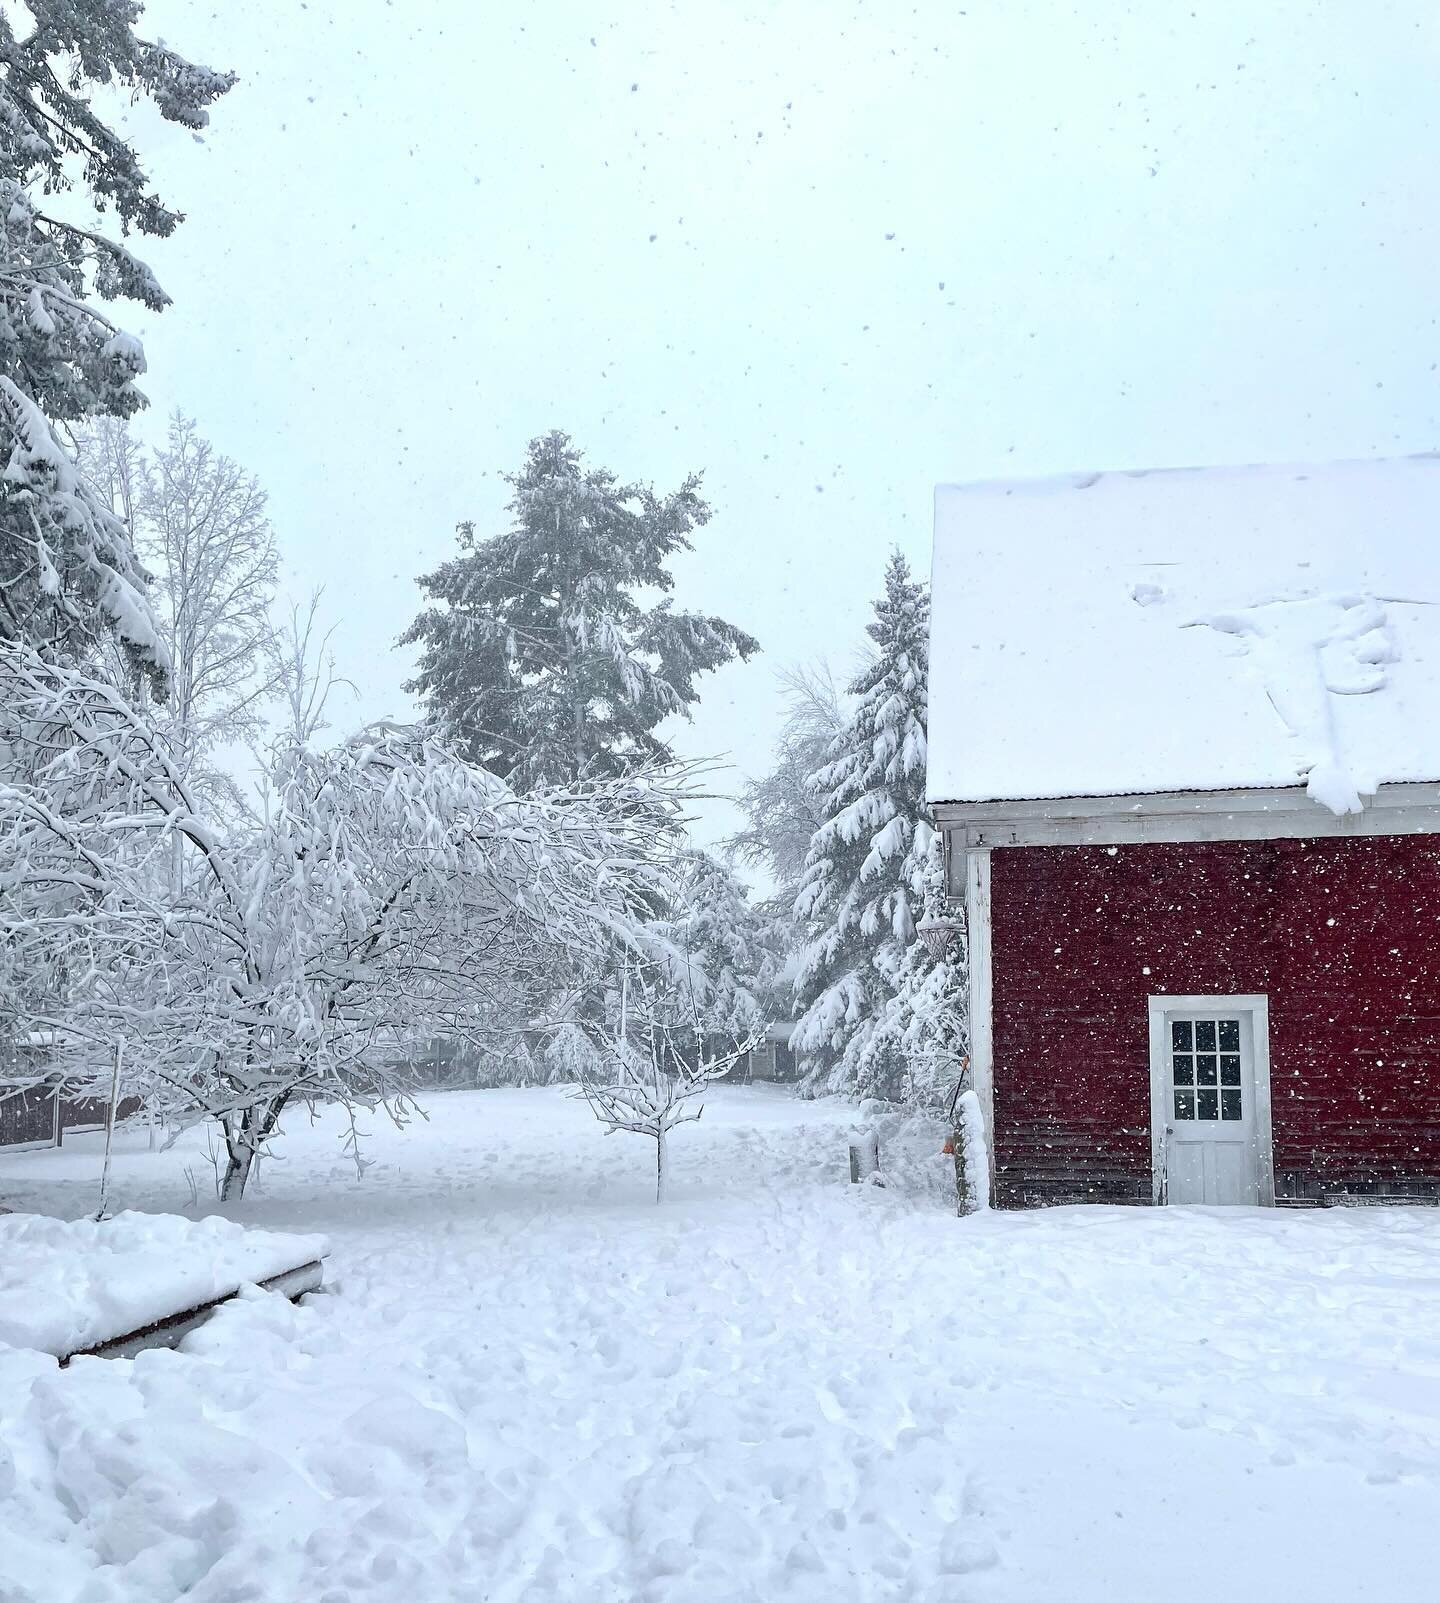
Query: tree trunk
[237,1172]
[256,1126]
[662,1168]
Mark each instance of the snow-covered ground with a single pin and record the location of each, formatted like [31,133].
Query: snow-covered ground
[527,1382]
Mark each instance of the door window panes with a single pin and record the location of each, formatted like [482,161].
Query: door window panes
[1204,1057]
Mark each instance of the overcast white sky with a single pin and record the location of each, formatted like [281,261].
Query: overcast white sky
[830,253]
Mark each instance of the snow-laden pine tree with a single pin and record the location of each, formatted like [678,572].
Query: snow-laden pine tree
[539,655]
[863,884]
[716,951]
[66,567]
[917,1050]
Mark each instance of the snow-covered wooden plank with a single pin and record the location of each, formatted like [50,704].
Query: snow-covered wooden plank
[170,1332]
[72,1286]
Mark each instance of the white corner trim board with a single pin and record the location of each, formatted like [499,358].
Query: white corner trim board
[977,930]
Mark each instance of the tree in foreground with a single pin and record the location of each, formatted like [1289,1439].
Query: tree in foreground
[67,573]
[538,657]
[390,893]
[648,1078]
[863,880]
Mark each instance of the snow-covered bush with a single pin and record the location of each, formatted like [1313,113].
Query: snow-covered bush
[716,951]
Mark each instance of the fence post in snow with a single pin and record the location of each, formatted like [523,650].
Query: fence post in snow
[864,1158]
[110,1129]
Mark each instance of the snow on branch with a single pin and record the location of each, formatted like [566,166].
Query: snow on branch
[648,1078]
[391,893]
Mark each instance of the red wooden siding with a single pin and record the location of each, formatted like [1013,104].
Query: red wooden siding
[1342,935]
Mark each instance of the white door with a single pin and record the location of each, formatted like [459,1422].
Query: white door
[1211,1143]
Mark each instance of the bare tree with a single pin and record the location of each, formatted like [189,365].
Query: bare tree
[305,670]
[199,524]
[648,1077]
[783,808]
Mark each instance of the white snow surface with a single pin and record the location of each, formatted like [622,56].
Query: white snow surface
[1191,629]
[68,1285]
[526,1382]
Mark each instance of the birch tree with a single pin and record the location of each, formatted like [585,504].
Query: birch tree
[782,808]
[198,522]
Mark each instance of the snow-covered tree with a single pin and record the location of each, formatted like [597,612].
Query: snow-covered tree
[648,1076]
[538,655]
[918,1048]
[782,808]
[717,950]
[864,876]
[66,568]
[390,893]
[306,675]
[198,522]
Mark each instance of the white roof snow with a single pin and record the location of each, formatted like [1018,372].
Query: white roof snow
[1192,629]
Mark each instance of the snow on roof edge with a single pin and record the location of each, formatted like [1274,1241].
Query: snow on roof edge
[1084,479]
[1116,795]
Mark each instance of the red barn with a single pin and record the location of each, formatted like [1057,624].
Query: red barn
[1185,751]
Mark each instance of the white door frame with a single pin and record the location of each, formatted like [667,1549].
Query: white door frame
[1258,1007]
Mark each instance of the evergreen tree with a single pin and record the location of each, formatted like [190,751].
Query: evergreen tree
[917,1051]
[721,950]
[65,560]
[864,876]
[538,656]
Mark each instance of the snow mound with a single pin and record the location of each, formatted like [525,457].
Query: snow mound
[69,1285]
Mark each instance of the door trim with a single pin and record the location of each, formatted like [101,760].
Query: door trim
[1258,1007]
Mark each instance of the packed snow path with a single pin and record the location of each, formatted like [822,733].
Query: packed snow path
[528,1382]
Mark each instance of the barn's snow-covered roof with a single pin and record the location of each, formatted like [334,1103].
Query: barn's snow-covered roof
[1191,629]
